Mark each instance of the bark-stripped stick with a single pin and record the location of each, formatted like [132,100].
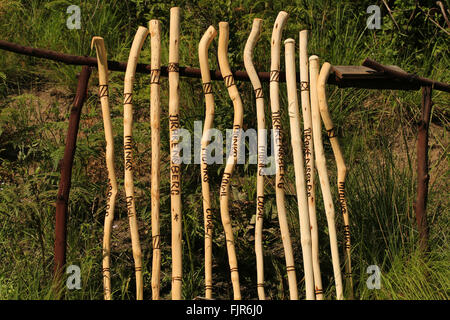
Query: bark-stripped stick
[279,150]
[155,122]
[112,182]
[341,168]
[297,147]
[256,83]
[203,46]
[232,159]
[309,161]
[175,159]
[135,50]
[323,174]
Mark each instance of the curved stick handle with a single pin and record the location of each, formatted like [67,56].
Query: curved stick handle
[175,165]
[155,123]
[99,44]
[256,83]
[203,47]
[323,174]
[341,168]
[232,159]
[297,148]
[130,72]
[309,160]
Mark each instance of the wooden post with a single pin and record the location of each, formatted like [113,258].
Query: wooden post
[422,168]
[62,199]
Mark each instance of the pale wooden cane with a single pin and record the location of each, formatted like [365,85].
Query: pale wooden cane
[203,46]
[261,123]
[130,72]
[232,159]
[280,177]
[175,160]
[309,161]
[341,169]
[155,123]
[297,146]
[323,174]
[102,62]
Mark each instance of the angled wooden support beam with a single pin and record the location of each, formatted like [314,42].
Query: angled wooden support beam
[423,177]
[62,198]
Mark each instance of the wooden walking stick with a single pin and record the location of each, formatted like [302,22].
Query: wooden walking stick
[203,46]
[256,83]
[135,50]
[155,122]
[175,160]
[323,174]
[279,151]
[309,161]
[232,159]
[112,182]
[341,168]
[297,146]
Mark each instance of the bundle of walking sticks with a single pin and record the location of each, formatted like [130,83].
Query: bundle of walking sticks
[308,156]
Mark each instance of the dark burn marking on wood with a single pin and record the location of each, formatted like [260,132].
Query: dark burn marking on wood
[209,217]
[332,133]
[259,93]
[304,86]
[260,207]
[234,269]
[176,279]
[128,149]
[207,88]
[278,141]
[103,90]
[175,168]
[229,80]
[261,157]
[290,268]
[128,98]
[307,137]
[155,75]
[224,184]
[343,206]
[108,198]
[173,67]
[260,285]
[274,75]
[129,201]
[204,166]
[156,241]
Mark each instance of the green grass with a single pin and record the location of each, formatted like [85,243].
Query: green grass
[377,132]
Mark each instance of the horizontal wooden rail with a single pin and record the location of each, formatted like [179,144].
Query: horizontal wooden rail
[355,76]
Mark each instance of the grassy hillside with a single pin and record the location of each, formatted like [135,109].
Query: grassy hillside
[377,131]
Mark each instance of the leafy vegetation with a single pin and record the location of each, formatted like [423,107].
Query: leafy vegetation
[377,133]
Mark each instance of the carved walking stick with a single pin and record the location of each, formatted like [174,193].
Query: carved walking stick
[232,159]
[279,150]
[341,168]
[155,123]
[309,161]
[297,146]
[136,47]
[323,174]
[203,46]
[112,182]
[256,83]
[175,160]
